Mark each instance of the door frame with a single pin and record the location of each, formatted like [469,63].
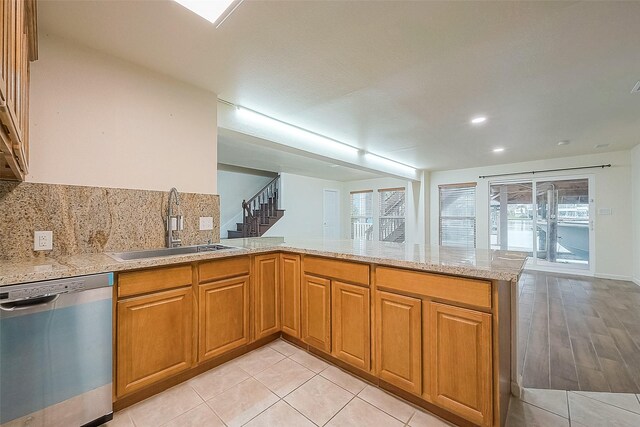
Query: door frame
[338,215]
[533,263]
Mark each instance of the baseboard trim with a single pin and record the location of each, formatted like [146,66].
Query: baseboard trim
[614,277]
[563,271]
[636,281]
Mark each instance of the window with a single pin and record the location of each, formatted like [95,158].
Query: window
[458,215]
[392,212]
[362,215]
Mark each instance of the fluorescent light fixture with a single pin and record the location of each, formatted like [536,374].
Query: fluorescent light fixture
[213,11]
[478,120]
[498,150]
[298,134]
[384,162]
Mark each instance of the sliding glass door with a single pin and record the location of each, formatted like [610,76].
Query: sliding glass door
[550,219]
[563,222]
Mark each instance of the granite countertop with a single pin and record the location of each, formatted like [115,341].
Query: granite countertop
[476,263]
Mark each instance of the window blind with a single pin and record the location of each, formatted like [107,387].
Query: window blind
[392,207]
[458,215]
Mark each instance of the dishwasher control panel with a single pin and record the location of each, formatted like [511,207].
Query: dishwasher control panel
[54,287]
[42,291]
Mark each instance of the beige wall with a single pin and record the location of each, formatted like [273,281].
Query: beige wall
[99,121]
[302,198]
[635,153]
[613,237]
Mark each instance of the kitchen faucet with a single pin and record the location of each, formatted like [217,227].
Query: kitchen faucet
[171,242]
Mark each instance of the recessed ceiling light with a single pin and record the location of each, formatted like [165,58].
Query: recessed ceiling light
[333,166]
[601,146]
[564,142]
[498,150]
[478,120]
[214,11]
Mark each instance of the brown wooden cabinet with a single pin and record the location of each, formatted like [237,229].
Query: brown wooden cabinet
[438,351]
[398,340]
[267,294]
[290,294]
[18,46]
[316,312]
[154,338]
[351,331]
[223,316]
[460,361]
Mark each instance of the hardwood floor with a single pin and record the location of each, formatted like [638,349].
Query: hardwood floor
[579,333]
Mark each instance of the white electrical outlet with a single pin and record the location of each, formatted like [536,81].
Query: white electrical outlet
[42,240]
[206,223]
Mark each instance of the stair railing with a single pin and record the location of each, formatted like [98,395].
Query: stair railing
[260,207]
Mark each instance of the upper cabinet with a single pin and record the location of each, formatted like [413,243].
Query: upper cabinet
[18,47]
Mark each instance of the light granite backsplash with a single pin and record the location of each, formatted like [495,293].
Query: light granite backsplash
[96,219]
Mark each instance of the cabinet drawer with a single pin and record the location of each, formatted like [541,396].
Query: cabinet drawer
[223,268]
[348,271]
[157,279]
[457,289]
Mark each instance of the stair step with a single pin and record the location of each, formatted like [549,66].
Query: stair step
[233,234]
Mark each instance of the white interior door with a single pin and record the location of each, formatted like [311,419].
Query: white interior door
[331,210]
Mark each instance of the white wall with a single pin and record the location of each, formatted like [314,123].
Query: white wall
[613,251]
[415,208]
[635,155]
[302,200]
[100,121]
[234,186]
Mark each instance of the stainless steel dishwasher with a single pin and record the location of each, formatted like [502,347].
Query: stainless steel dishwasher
[55,352]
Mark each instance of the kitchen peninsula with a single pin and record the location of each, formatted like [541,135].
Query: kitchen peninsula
[430,324]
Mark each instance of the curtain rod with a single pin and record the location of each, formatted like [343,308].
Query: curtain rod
[543,171]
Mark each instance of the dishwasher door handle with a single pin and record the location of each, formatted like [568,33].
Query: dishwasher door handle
[29,303]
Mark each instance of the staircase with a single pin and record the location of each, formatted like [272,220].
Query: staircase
[259,213]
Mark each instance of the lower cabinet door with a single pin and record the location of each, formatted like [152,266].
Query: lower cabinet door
[461,362]
[351,324]
[223,316]
[267,294]
[154,338]
[290,293]
[316,312]
[398,340]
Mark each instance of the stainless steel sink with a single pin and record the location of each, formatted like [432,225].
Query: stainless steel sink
[163,252]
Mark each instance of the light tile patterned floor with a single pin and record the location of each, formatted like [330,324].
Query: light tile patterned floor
[281,385]
[549,408]
[276,385]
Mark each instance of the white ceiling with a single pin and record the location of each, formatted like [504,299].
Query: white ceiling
[247,151]
[400,79]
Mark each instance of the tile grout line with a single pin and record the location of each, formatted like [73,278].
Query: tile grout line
[260,413]
[526,342]
[292,407]
[608,404]
[526,353]
[566,324]
[575,364]
[540,407]
[400,399]
[624,360]
[340,410]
